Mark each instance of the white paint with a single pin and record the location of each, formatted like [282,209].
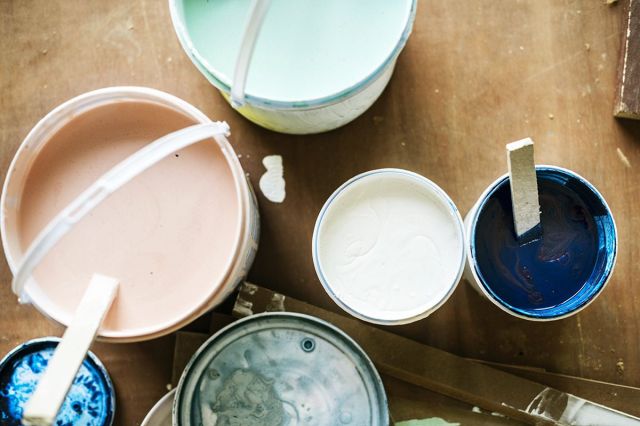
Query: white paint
[388,246]
[572,410]
[272,181]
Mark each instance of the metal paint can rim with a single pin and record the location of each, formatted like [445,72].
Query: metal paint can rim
[239,329]
[472,218]
[29,346]
[187,47]
[441,194]
[160,414]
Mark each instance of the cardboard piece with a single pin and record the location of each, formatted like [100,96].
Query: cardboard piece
[627,103]
[620,397]
[436,370]
[406,401]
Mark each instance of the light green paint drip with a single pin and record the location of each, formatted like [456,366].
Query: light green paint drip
[307,49]
[433,421]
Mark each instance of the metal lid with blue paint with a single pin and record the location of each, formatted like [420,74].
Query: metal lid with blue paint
[90,401]
[277,369]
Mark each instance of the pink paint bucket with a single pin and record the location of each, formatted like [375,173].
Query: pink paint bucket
[179,233]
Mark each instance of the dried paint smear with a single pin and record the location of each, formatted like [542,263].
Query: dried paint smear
[272,181]
[433,421]
[248,399]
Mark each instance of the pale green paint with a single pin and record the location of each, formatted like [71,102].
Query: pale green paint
[307,49]
[433,421]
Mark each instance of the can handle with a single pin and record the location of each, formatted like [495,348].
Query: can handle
[108,183]
[257,13]
[52,388]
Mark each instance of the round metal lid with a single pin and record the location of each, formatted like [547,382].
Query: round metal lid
[278,369]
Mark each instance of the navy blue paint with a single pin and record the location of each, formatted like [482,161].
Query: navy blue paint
[559,271]
[90,401]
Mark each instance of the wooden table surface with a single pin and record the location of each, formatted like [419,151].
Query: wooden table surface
[475,75]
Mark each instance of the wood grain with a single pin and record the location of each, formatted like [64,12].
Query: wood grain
[475,75]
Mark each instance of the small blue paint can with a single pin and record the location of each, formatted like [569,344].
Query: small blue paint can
[90,401]
[551,277]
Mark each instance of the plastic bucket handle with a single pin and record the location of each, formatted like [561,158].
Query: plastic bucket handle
[257,13]
[108,183]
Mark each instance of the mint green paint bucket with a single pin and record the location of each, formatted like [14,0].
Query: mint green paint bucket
[316,66]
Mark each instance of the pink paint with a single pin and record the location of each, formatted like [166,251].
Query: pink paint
[171,235]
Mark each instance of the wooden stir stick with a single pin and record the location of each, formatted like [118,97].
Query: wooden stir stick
[43,407]
[52,389]
[524,190]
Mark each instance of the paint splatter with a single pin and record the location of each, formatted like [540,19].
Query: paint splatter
[272,182]
[623,158]
[248,399]
[276,304]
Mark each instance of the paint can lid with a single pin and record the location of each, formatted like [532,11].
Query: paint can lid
[280,368]
[160,414]
[90,401]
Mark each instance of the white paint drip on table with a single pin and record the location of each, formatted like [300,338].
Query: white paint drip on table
[272,181]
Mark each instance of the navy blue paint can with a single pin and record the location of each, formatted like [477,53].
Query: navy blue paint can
[550,277]
[90,401]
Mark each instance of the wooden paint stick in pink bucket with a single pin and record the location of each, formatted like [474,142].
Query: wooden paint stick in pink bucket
[179,236]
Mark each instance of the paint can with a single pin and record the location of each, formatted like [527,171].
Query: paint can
[91,398]
[160,414]
[557,275]
[388,246]
[316,65]
[280,368]
[179,237]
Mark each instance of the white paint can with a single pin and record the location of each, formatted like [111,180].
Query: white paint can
[388,246]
